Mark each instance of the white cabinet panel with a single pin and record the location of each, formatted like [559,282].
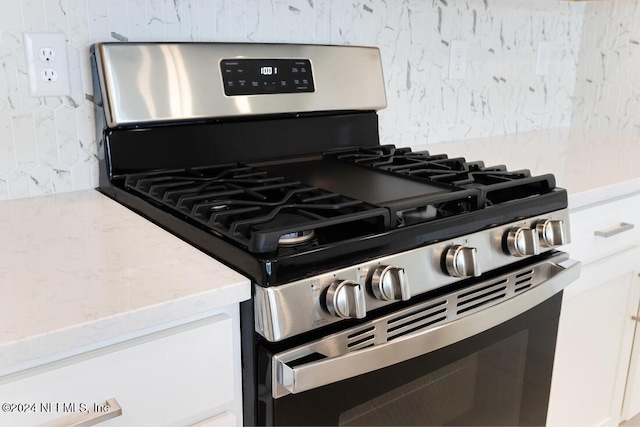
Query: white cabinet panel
[226,419]
[607,218]
[594,341]
[161,379]
[631,406]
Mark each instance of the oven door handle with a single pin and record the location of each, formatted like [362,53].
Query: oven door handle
[297,379]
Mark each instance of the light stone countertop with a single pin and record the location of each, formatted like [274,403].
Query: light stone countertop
[78,268]
[592,165]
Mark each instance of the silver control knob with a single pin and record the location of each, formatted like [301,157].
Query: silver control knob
[551,232]
[461,261]
[345,298]
[523,241]
[390,283]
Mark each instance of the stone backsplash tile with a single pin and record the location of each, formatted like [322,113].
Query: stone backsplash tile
[48,144]
[607,94]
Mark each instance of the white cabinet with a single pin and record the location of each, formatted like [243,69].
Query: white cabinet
[178,376]
[631,405]
[594,342]
[596,330]
[614,218]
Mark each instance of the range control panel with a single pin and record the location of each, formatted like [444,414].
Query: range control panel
[266,76]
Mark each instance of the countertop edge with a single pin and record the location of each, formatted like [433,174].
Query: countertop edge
[37,350]
[585,199]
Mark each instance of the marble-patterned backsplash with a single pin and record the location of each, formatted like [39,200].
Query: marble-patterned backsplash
[48,144]
[608,78]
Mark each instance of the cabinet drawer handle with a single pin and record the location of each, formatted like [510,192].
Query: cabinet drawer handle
[111,408]
[636,318]
[624,226]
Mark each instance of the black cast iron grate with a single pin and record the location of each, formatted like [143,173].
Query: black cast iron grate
[495,183]
[259,211]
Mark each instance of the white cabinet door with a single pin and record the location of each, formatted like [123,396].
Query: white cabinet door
[594,344]
[631,406]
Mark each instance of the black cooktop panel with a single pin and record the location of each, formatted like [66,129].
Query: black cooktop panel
[369,185]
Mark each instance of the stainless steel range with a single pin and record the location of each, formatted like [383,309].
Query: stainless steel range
[391,287]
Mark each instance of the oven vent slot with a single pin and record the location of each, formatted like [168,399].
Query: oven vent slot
[352,345]
[361,339]
[523,281]
[415,320]
[361,332]
[524,273]
[476,298]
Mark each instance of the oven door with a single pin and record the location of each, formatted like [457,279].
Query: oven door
[488,366]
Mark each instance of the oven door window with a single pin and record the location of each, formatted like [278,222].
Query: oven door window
[454,394]
[501,376]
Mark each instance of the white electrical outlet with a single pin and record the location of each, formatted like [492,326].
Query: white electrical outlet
[47,54]
[458,59]
[49,75]
[47,64]
[543,58]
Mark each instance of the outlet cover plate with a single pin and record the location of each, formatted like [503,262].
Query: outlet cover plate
[39,86]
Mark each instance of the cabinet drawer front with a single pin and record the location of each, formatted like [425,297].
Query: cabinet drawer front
[157,380]
[605,229]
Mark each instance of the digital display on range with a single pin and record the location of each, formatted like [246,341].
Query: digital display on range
[266,76]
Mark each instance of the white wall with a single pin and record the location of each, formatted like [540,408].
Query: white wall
[608,79]
[48,144]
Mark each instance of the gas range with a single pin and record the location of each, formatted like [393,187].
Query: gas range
[268,158]
[446,219]
[300,202]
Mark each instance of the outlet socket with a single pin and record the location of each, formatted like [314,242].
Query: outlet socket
[49,75]
[47,65]
[47,54]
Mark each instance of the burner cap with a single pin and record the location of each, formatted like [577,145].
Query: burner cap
[296,238]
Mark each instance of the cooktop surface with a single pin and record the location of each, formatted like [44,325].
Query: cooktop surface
[368,185]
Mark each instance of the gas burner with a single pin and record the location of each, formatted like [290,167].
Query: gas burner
[219,207]
[296,238]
